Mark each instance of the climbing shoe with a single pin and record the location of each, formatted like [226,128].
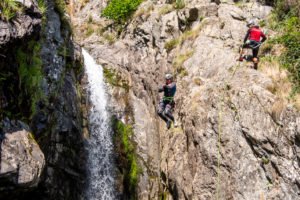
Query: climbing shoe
[175,124]
[255,66]
[169,124]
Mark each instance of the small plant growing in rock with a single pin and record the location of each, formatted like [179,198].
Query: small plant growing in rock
[145,11]
[265,160]
[178,63]
[171,44]
[166,9]
[114,78]
[8,9]
[110,38]
[90,20]
[179,4]
[89,31]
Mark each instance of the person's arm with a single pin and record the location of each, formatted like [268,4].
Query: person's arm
[161,89]
[246,36]
[263,37]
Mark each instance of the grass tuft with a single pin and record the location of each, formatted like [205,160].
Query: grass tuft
[178,63]
[179,4]
[115,79]
[171,44]
[9,9]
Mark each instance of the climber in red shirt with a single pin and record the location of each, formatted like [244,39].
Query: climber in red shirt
[253,39]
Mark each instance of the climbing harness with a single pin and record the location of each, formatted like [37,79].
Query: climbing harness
[168,98]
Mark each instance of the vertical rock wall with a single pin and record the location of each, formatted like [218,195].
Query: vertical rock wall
[235,139]
[56,122]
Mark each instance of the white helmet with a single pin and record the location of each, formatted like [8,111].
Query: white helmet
[251,22]
[169,77]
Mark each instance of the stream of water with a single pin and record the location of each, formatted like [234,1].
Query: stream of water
[101,184]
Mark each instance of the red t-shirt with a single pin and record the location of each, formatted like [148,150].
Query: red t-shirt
[255,34]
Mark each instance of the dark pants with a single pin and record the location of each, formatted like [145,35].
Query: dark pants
[165,109]
[254,45]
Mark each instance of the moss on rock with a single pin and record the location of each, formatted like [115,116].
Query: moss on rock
[127,160]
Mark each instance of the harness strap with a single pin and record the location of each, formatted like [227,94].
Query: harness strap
[168,98]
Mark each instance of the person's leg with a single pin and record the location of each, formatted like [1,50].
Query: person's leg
[160,111]
[255,58]
[168,112]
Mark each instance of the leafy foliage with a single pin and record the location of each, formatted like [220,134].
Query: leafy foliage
[287,23]
[120,10]
[8,9]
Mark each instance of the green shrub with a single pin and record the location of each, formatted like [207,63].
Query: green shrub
[288,25]
[8,9]
[120,10]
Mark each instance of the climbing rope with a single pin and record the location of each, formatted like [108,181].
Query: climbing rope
[219,147]
[220,119]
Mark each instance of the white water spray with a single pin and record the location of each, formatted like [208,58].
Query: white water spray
[100,147]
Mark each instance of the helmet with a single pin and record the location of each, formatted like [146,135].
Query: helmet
[169,77]
[251,22]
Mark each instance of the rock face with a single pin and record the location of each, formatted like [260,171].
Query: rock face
[61,119]
[22,161]
[24,24]
[56,122]
[236,139]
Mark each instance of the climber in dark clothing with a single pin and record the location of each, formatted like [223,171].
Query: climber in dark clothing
[166,105]
[253,41]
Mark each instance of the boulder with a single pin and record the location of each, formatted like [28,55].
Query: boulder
[22,160]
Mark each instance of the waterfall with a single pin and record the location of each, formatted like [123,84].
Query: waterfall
[100,163]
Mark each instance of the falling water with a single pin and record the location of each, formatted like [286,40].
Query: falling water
[100,148]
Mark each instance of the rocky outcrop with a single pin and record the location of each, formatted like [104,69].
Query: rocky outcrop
[57,125]
[56,120]
[236,138]
[24,24]
[22,161]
